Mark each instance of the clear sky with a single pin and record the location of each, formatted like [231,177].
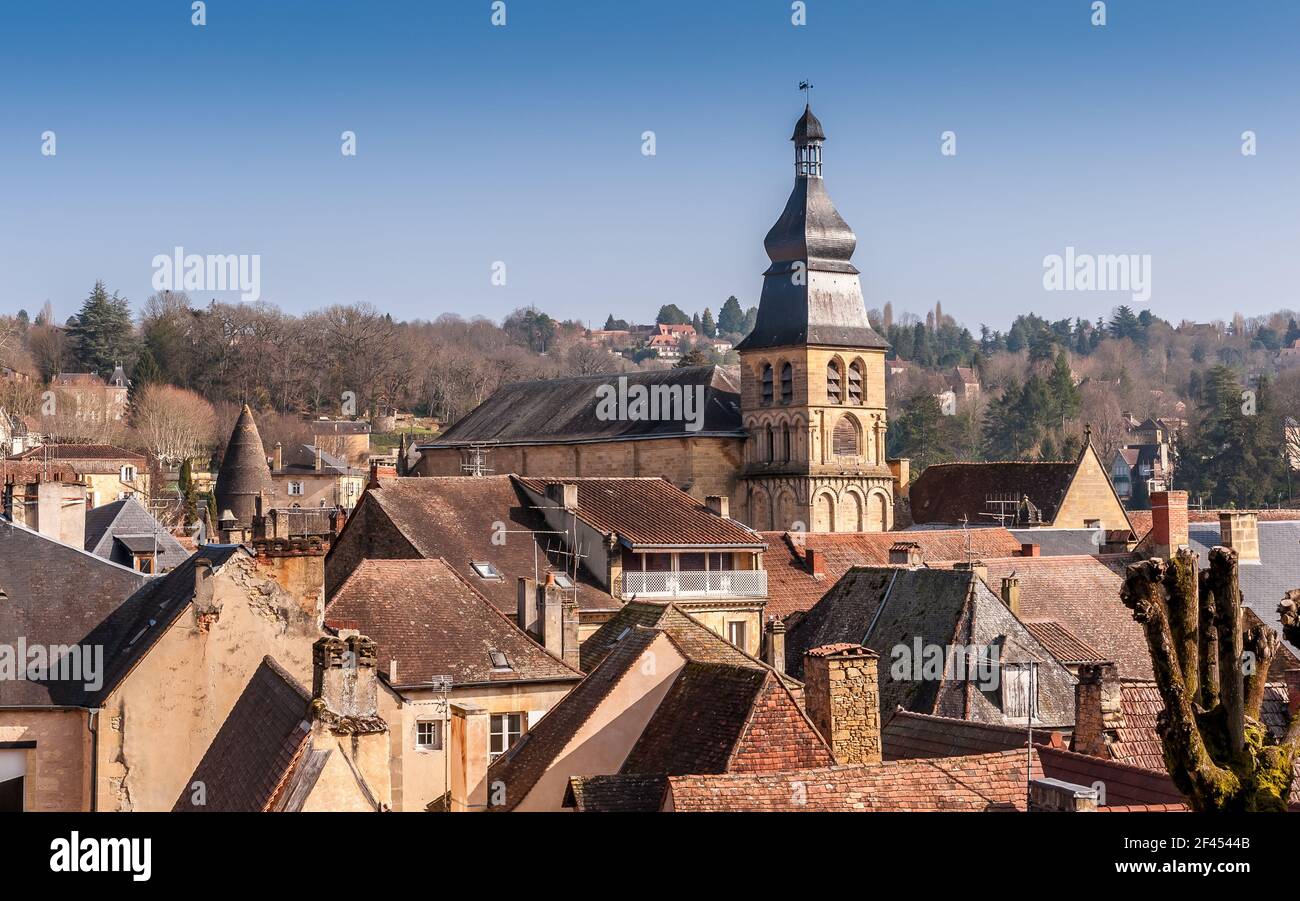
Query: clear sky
[523,144]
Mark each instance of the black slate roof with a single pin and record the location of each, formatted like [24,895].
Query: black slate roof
[114,530]
[564,411]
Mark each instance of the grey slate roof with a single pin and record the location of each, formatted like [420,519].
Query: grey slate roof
[1262,584]
[244,473]
[114,530]
[55,594]
[564,411]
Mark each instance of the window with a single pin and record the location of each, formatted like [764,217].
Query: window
[13,769]
[295,489]
[563,581]
[736,633]
[785,443]
[767,383]
[834,392]
[1020,690]
[844,440]
[505,731]
[428,735]
[787,383]
[499,660]
[128,473]
[485,570]
[770,449]
[855,382]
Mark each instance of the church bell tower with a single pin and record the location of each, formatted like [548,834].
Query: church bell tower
[813,372]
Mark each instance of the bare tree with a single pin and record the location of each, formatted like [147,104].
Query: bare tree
[174,424]
[1211,671]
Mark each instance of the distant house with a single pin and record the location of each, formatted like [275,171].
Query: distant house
[85,397]
[346,439]
[110,472]
[305,476]
[1290,355]
[965,382]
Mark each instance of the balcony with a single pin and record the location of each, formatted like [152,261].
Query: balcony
[724,583]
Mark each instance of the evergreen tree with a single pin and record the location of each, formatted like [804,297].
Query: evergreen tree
[919,432]
[1065,395]
[710,328]
[751,319]
[102,333]
[731,319]
[615,325]
[671,314]
[1124,324]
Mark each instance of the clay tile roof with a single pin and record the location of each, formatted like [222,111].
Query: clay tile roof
[947,492]
[842,647]
[648,512]
[422,614]
[1138,743]
[1081,595]
[1126,786]
[1063,644]
[793,588]
[619,793]
[12,471]
[456,518]
[979,782]
[261,740]
[910,735]
[566,410]
[82,453]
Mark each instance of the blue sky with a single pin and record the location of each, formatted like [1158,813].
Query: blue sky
[523,144]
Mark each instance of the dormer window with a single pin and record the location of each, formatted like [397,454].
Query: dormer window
[487,571]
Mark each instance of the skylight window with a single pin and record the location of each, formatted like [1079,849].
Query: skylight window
[563,581]
[499,660]
[486,570]
[623,634]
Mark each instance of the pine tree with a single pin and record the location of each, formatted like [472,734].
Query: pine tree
[731,319]
[708,325]
[1065,394]
[102,333]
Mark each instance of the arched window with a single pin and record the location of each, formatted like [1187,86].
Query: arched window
[855,382]
[767,383]
[845,439]
[785,443]
[834,386]
[771,445]
[787,383]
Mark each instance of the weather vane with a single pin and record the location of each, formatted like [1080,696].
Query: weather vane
[806,87]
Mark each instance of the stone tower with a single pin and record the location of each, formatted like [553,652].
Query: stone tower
[243,480]
[812,372]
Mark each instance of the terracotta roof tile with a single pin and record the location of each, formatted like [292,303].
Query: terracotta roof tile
[1064,645]
[947,492]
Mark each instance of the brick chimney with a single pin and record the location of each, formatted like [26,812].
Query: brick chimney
[816,562]
[1240,531]
[775,645]
[842,696]
[380,470]
[905,553]
[1011,593]
[1029,549]
[719,505]
[1098,712]
[563,494]
[978,567]
[1168,522]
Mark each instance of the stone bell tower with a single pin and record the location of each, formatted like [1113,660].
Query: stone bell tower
[813,372]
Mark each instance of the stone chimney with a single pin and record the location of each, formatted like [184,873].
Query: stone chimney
[1098,712]
[1029,549]
[905,553]
[816,562]
[1011,593]
[1057,796]
[277,457]
[345,710]
[318,459]
[1240,531]
[719,505]
[563,494]
[526,606]
[842,697]
[557,621]
[775,645]
[1168,522]
[978,567]
[469,757]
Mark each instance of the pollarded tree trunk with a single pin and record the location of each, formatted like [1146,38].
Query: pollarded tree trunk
[1211,675]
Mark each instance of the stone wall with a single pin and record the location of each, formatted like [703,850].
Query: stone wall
[842,697]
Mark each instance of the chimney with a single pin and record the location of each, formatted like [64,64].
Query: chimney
[978,567]
[1168,522]
[816,562]
[469,757]
[563,494]
[1029,549]
[345,689]
[905,553]
[557,621]
[380,470]
[719,505]
[277,457]
[318,461]
[1098,712]
[526,605]
[1057,796]
[776,644]
[842,697]
[1011,593]
[1240,531]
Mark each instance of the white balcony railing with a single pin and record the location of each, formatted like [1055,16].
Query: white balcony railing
[736,583]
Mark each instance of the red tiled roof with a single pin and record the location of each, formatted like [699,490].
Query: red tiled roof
[792,587]
[75,452]
[910,735]
[424,615]
[1125,786]
[649,512]
[1081,594]
[1063,644]
[25,473]
[946,492]
[979,782]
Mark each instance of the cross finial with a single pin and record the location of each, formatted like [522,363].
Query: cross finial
[806,87]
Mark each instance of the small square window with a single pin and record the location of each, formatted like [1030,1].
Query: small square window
[295,488]
[428,735]
[486,570]
[505,729]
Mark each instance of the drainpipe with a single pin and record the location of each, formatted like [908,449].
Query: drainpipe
[92,724]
